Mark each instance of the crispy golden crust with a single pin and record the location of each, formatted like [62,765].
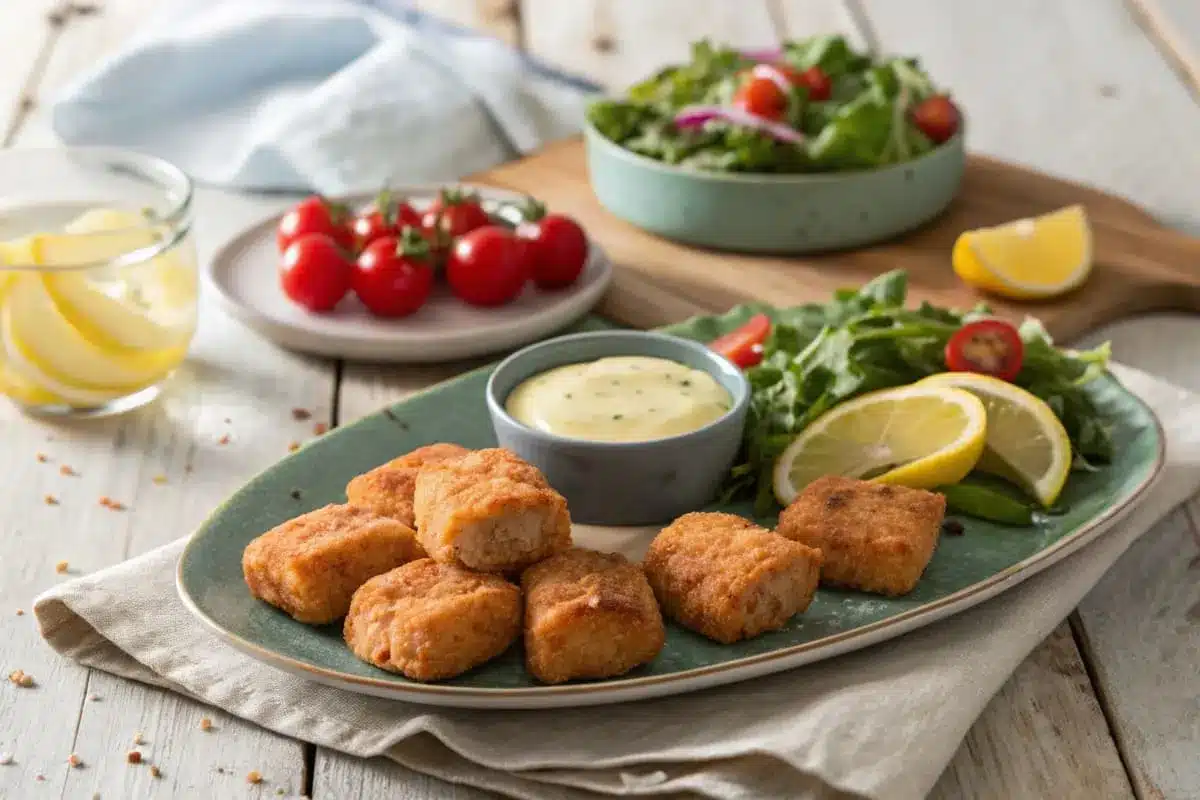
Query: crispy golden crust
[725,577]
[432,621]
[388,489]
[310,566]
[588,615]
[491,511]
[874,537]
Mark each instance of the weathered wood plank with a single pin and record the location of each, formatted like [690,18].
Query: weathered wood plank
[1140,628]
[618,42]
[338,775]
[1079,85]
[29,28]
[232,384]
[1043,735]
[1175,25]
[498,18]
[800,18]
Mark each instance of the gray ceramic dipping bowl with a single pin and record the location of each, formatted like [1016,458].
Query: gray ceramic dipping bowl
[785,214]
[624,483]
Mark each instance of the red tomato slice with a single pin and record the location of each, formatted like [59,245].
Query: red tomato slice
[744,346]
[988,346]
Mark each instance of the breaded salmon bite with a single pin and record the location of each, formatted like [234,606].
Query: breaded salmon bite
[490,511]
[388,489]
[588,615]
[431,621]
[727,578]
[874,537]
[310,566]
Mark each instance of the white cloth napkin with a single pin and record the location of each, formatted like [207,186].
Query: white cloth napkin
[336,96]
[881,723]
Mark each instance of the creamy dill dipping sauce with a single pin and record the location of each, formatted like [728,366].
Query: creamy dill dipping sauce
[619,399]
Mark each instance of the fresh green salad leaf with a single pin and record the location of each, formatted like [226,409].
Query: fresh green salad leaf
[820,355]
[865,123]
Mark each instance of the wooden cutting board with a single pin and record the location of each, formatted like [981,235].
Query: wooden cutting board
[1140,265]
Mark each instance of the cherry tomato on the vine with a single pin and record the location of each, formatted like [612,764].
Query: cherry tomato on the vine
[557,247]
[988,346]
[315,215]
[488,266]
[315,272]
[455,213]
[387,217]
[937,117]
[394,275]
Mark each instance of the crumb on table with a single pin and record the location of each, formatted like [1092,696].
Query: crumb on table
[206,724]
[61,567]
[19,677]
[301,414]
[254,776]
[134,757]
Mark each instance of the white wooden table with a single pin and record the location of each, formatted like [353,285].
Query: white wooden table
[1103,91]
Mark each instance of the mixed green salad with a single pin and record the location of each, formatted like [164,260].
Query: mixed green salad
[811,358]
[814,105]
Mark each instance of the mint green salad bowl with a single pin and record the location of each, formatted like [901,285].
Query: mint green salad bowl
[774,213]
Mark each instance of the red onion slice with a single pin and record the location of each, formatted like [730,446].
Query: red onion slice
[695,116]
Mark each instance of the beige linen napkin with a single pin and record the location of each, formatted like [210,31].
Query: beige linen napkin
[882,722]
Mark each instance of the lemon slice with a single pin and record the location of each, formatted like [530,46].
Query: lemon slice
[1032,258]
[1026,442]
[124,318]
[918,436]
[40,340]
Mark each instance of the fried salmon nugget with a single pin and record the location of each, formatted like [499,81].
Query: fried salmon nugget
[431,621]
[874,537]
[490,511]
[388,489]
[588,615]
[727,578]
[310,566]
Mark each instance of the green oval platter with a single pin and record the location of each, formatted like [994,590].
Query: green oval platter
[964,571]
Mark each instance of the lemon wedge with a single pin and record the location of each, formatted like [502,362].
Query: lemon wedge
[920,436]
[1034,258]
[1026,442]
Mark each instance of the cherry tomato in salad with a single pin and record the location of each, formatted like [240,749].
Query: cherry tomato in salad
[388,217]
[744,346]
[556,246]
[762,97]
[394,275]
[987,346]
[819,85]
[488,266]
[315,215]
[315,272]
[937,117]
[455,213]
